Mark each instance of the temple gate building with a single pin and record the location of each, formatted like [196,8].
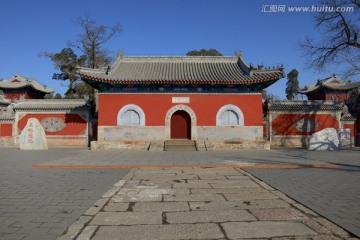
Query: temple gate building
[215,101]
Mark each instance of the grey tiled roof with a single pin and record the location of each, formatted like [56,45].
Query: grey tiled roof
[4,101]
[6,116]
[18,81]
[348,118]
[215,70]
[305,105]
[333,83]
[51,104]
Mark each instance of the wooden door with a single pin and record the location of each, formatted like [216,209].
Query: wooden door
[180,125]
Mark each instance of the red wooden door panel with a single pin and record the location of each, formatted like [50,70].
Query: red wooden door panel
[180,125]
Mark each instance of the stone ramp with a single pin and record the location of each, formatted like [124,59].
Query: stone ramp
[198,203]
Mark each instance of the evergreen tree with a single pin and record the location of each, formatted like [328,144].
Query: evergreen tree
[57,96]
[204,52]
[292,85]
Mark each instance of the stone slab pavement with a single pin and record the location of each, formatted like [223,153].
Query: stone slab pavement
[39,204]
[81,177]
[198,203]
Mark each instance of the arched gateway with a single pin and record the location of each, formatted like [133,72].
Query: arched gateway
[180,125]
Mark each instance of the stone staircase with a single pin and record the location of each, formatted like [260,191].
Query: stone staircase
[180,145]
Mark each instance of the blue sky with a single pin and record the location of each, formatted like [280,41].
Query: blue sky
[159,28]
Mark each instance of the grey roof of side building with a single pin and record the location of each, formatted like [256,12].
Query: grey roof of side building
[4,101]
[18,81]
[229,70]
[52,104]
[7,116]
[333,83]
[348,118]
[315,105]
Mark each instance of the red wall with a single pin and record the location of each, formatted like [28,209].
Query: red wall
[282,125]
[27,95]
[155,107]
[6,129]
[341,97]
[75,125]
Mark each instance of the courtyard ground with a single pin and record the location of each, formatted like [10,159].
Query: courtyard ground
[179,195]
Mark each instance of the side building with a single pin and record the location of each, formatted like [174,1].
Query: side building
[145,101]
[66,121]
[291,123]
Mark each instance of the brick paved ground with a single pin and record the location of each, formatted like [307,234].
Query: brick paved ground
[66,193]
[40,204]
[334,193]
[188,203]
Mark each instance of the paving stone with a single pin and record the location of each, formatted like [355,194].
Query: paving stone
[284,197]
[233,177]
[221,171]
[160,232]
[194,197]
[120,183]
[160,191]
[141,197]
[276,203]
[316,226]
[75,228]
[98,205]
[277,214]
[161,207]
[116,207]
[249,196]
[162,170]
[305,209]
[127,218]
[211,176]
[147,185]
[316,237]
[209,216]
[266,229]
[111,192]
[229,190]
[191,185]
[239,184]
[87,233]
[333,227]
[152,175]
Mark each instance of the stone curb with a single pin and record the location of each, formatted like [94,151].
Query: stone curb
[79,229]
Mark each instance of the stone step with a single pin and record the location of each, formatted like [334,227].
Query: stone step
[180,145]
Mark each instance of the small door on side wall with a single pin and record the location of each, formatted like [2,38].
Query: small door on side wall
[180,125]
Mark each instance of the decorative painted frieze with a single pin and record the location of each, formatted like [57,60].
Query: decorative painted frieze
[53,124]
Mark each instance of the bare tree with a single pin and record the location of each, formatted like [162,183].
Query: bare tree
[339,25]
[91,41]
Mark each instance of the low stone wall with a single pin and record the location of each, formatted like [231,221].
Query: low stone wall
[67,141]
[230,134]
[7,142]
[131,133]
[237,145]
[141,137]
[290,141]
[131,145]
